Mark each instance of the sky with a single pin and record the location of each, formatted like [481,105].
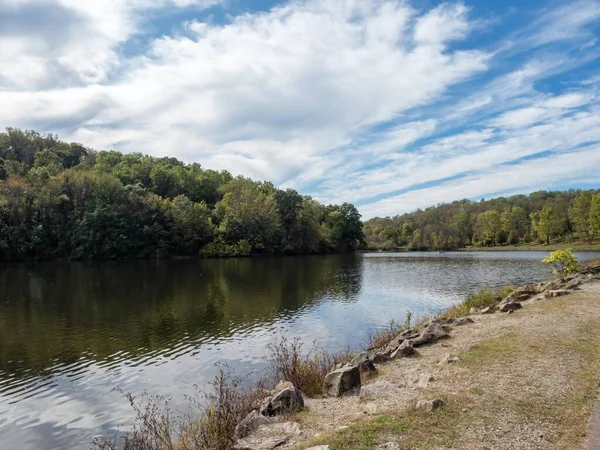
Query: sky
[390,105]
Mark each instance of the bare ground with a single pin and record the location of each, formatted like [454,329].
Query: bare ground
[526,380]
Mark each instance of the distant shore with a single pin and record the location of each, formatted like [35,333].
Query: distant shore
[575,246]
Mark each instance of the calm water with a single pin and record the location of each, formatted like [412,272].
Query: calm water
[71,333]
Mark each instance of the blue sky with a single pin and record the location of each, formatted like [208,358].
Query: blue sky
[390,105]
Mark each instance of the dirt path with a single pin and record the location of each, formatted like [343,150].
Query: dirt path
[526,380]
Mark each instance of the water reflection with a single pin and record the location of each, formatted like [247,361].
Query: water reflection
[71,333]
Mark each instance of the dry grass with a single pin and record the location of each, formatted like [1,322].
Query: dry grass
[305,368]
[208,425]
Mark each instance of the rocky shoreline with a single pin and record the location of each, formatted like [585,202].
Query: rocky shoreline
[271,425]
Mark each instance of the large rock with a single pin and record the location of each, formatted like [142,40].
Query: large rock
[556,293]
[377,390]
[430,334]
[405,350]
[340,381]
[250,424]
[430,405]
[510,306]
[375,356]
[269,437]
[285,398]
[593,267]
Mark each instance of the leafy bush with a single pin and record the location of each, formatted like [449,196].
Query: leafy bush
[564,262]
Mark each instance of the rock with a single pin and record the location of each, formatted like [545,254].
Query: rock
[556,293]
[367,367]
[488,310]
[405,350]
[424,380]
[510,307]
[340,381]
[319,447]
[430,334]
[388,446]
[377,390]
[269,437]
[447,359]
[269,443]
[398,340]
[250,424]
[593,267]
[462,321]
[430,405]
[474,310]
[376,356]
[285,398]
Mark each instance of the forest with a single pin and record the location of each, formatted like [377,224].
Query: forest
[540,217]
[61,200]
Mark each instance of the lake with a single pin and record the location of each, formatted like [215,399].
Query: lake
[73,333]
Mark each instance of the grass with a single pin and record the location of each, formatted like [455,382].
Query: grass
[480,300]
[575,245]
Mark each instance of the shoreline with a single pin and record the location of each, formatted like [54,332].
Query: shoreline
[386,397]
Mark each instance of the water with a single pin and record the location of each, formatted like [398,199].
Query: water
[71,333]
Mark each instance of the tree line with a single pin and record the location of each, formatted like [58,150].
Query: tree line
[540,217]
[61,200]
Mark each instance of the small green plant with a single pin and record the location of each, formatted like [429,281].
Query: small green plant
[564,261]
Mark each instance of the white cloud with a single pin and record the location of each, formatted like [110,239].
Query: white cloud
[346,100]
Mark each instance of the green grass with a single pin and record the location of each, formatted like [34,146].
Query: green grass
[480,300]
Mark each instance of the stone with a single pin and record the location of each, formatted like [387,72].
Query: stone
[448,359]
[376,356]
[556,293]
[319,447]
[405,350]
[250,424]
[341,380]
[285,398]
[474,310]
[430,405]
[377,390]
[430,334]
[424,380]
[269,437]
[388,446]
[593,267]
[462,321]
[488,310]
[510,307]
[367,367]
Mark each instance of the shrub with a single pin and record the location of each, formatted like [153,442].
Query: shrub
[306,369]
[208,425]
[564,262]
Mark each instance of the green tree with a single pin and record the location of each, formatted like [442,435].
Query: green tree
[594,217]
[579,214]
[487,227]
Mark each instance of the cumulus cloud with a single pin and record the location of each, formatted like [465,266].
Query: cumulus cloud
[365,101]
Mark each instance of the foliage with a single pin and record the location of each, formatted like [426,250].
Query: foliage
[61,200]
[306,369]
[564,261]
[520,219]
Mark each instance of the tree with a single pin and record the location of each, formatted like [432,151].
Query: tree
[544,224]
[488,227]
[594,217]
[579,214]
[564,261]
